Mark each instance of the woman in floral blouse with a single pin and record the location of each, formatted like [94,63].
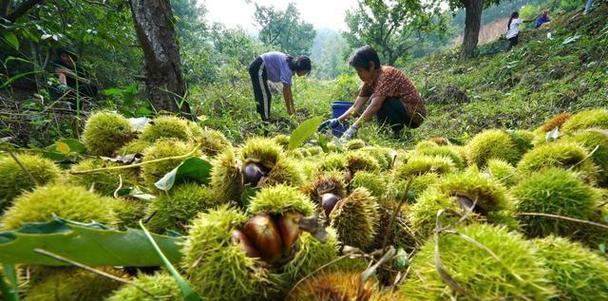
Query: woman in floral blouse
[394,99]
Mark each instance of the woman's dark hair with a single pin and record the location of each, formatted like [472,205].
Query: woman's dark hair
[363,56]
[300,63]
[514,15]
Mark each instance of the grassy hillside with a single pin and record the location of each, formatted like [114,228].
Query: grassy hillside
[539,78]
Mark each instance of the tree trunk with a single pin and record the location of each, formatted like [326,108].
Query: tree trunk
[164,81]
[472,24]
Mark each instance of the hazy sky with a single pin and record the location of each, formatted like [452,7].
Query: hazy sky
[320,13]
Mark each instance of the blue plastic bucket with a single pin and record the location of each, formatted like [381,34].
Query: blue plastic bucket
[337,109]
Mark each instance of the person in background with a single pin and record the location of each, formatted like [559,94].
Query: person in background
[392,96]
[544,18]
[72,76]
[513,29]
[276,67]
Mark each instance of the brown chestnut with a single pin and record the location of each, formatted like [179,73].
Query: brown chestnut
[265,236]
[253,173]
[329,201]
[239,238]
[289,226]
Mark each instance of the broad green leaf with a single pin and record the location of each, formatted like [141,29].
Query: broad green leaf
[304,131]
[92,244]
[323,142]
[12,39]
[65,149]
[603,248]
[196,169]
[187,292]
[62,148]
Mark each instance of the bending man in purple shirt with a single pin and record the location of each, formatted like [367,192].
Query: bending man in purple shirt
[275,67]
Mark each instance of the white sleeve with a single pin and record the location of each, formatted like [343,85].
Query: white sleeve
[517,21]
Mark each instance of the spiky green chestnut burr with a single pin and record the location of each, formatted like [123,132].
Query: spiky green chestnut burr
[212,142]
[72,284]
[422,215]
[307,253]
[333,162]
[594,118]
[173,210]
[595,140]
[128,212]
[422,164]
[280,198]
[310,256]
[314,150]
[261,150]
[68,202]
[443,151]
[425,144]
[492,144]
[167,127]
[360,161]
[417,187]
[558,192]
[14,180]
[219,269]
[384,155]
[522,139]
[226,178]
[163,148]
[502,171]
[264,164]
[354,144]
[335,286]
[105,132]
[322,186]
[578,273]
[355,219]
[282,140]
[566,155]
[377,184]
[467,194]
[487,194]
[104,182]
[285,171]
[160,285]
[136,146]
[505,267]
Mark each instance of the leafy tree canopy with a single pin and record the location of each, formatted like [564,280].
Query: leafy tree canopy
[393,27]
[284,29]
